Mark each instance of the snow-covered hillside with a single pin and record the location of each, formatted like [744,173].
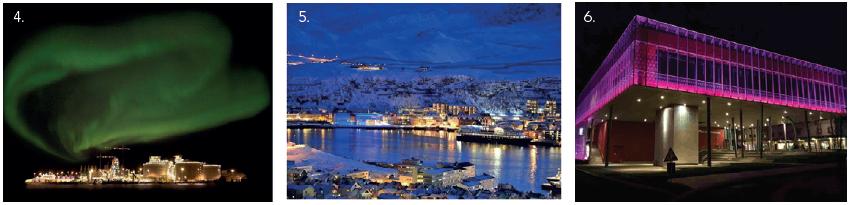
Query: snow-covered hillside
[493,56]
[360,94]
[492,37]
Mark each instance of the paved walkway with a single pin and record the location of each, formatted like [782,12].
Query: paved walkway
[707,181]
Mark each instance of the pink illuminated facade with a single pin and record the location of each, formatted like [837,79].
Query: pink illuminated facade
[659,55]
[656,54]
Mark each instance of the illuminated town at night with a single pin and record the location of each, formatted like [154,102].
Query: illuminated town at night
[404,105]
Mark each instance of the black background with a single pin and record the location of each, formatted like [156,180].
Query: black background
[245,145]
[813,32]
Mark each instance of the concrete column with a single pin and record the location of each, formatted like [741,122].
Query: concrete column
[742,126]
[735,138]
[677,129]
[608,134]
[708,132]
[761,131]
[807,129]
[785,135]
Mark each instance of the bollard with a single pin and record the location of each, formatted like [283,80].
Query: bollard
[672,168]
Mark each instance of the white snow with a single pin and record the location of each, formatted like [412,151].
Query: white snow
[304,155]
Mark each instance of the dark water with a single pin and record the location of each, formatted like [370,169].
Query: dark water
[525,167]
[139,186]
[194,192]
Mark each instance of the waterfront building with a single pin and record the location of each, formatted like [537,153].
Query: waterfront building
[443,177]
[661,88]
[481,182]
[369,119]
[320,116]
[468,169]
[344,119]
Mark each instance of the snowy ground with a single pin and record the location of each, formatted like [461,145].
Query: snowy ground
[303,156]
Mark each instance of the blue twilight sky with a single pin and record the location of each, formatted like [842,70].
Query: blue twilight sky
[485,41]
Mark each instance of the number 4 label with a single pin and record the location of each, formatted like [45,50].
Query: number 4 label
[17,17]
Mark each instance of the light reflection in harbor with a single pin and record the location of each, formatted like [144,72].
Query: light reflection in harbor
[525,167]
[533,167]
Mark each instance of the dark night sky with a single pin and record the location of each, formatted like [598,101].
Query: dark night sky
[813,32]
[245,145]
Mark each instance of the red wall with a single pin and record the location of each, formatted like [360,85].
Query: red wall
[630,142]
[717,138]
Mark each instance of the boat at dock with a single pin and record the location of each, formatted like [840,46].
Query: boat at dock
[487,134]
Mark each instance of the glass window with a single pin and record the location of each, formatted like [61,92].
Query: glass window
[765,81]
[748,79]
[672,64]
[661,62]
[682,67]
[790,86]
[770,85]
[710,70]
[701,69]
[727,73]
[811,94]
[741,76]
[719,73]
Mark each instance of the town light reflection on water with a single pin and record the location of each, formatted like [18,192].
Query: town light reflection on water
[525,167]
[533,163]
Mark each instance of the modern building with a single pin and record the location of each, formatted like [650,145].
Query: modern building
[661,87]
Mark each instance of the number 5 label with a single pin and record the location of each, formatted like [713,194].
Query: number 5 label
[302,17]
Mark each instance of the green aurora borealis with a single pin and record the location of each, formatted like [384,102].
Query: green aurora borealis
[70,89]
